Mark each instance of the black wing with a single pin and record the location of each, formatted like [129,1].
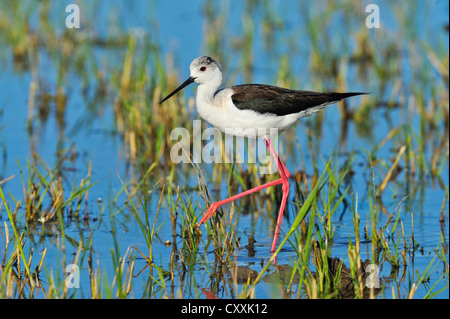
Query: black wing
[272,99]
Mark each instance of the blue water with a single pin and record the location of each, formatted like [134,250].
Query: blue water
[178,28]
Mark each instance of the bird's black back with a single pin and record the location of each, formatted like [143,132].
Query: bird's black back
[272,99]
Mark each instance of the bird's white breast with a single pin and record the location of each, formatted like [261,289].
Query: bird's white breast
[221,113]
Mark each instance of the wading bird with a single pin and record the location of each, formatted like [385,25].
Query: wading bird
[247,109]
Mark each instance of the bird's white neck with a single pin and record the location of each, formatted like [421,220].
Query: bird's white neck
[205,91]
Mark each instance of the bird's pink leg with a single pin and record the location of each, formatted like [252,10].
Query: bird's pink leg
[284,173]
[214,206]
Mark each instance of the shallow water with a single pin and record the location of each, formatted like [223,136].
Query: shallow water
[89,132]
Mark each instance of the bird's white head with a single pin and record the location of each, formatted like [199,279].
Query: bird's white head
[204,71]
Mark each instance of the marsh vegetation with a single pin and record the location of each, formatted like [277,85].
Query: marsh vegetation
[86,177]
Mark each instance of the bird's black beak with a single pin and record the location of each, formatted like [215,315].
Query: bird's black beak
[182,86]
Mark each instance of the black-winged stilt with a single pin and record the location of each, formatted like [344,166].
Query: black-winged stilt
[245,110]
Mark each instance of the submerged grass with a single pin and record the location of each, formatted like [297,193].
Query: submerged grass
[396,164]
[48,188]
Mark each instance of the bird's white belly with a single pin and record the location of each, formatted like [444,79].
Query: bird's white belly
[223,115]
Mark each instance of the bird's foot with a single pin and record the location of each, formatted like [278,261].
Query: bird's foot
[211,210]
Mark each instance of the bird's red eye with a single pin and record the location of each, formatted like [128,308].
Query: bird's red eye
[203,68]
